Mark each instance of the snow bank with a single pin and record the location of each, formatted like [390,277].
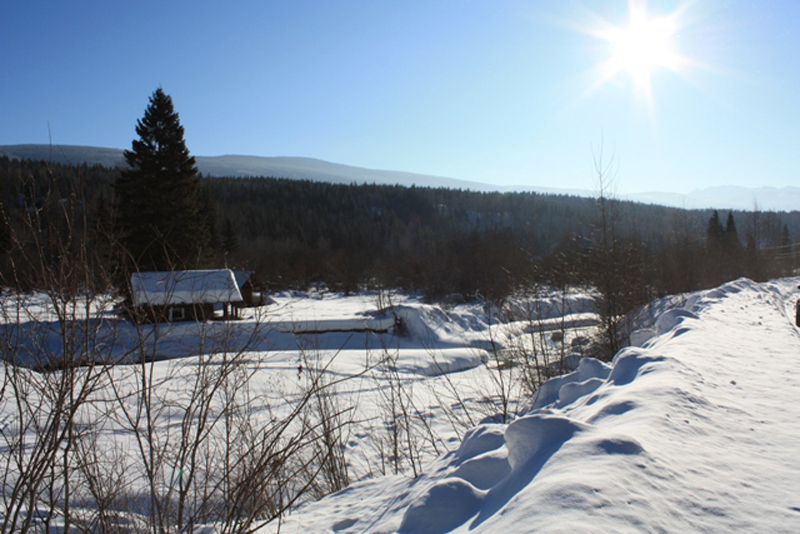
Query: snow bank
[549,303]
[573,320]
[695,432]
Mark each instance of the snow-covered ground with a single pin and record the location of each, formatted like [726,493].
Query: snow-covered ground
[407,382]
[696,431]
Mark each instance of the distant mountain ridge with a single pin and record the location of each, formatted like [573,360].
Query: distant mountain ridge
[300,168]
[296,168]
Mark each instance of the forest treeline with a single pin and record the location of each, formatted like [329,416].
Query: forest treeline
[295,233]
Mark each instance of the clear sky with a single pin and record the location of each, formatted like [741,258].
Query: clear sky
[685,94]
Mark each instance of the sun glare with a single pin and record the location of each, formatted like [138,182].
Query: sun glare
[641,48]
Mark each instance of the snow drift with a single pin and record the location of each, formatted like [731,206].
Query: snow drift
[693,431]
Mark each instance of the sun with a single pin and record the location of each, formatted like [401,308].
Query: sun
[641,48]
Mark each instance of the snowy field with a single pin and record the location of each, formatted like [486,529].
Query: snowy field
[437,424]
[403,381]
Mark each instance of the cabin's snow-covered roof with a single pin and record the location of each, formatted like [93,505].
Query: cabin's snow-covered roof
[184,287]
[242,277]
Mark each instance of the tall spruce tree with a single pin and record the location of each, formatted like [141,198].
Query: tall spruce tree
[160,204]
[715,232]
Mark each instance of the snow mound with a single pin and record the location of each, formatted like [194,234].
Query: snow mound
[479,440]
[641,336]
[695,432]
[534,438]
[588,373]
[480,487]
[481,459]
[485,470]
[630,363]
[670,319]
[495,462]
[444,507]
[432,326]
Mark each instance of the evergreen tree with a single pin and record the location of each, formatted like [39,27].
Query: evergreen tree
[160,218]
[733,245]
[230,241]
[731,251]
[715,233]
[209,213]
[730,229]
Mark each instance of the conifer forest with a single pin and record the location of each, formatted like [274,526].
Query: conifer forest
[297,233]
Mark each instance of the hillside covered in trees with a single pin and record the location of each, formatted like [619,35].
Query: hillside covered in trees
[296,233]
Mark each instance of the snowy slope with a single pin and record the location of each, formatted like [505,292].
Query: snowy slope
[696,431]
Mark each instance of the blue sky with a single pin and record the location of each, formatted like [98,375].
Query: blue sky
[505,92]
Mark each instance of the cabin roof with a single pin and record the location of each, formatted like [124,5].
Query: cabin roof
[184,287]
[242,277]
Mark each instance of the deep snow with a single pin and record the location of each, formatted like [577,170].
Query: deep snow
[444,372]
[695,431]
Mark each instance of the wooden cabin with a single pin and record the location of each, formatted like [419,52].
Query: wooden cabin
[167,296]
